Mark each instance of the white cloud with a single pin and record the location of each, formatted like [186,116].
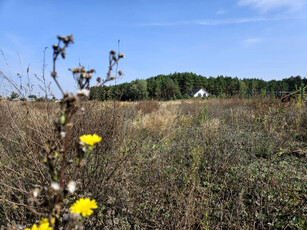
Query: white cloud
[235,21]
[252,41]
[216,22]
[266,5]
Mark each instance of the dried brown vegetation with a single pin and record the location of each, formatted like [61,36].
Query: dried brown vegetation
[195,164]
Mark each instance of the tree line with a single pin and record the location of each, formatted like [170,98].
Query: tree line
[179,85]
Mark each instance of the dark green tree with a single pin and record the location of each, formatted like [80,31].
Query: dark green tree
[32,96]
[13,96]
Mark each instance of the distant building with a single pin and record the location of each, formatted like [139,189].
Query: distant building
[199,93]
[31,99]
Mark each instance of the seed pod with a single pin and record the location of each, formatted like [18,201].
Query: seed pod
[63,54]
[120,55]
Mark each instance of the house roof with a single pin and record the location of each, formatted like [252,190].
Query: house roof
[196,90]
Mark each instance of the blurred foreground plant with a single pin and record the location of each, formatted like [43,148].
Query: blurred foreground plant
[50,201]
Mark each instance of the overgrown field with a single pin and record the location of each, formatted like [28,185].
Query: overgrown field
[194,164]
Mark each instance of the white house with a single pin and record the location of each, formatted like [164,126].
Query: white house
[199,93]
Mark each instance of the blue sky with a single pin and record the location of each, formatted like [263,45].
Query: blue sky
[245,38]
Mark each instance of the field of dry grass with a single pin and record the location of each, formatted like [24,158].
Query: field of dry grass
[193,164]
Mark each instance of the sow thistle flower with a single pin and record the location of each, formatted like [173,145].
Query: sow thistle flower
[90,140]
[43,225]
[84,207]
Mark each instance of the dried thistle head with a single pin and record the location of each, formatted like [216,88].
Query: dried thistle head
[70,38]
[120,55]
[58,49]
[55,47]
[66,40]
[82,76]
[112,52]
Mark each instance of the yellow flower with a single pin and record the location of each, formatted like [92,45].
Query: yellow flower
[90,139]
[46,221]
[43,225]
[34,227]
[84,207]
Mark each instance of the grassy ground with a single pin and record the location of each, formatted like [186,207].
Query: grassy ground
[195,164]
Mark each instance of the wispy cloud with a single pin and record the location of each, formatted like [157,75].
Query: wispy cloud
[217,22]
[266,5]
[252,41]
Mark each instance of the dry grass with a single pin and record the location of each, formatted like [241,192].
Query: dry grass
[194,164]
[158,122]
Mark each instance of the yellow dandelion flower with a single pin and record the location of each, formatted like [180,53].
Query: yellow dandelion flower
[46,221]
[34,227]
[90,139]
[43,225]
[84,207]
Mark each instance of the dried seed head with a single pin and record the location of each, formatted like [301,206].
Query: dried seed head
[88,75]
[53,74]
[112,52]
[120,55]
[71,187]
[55,47]
[60,37]
[120,73]
[73,70]
[63,54]
[35,193]
[98,79]
[83,75]
[55,186]
[71,38]
[66,39]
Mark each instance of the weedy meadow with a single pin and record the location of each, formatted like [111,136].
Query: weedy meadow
[189,164]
